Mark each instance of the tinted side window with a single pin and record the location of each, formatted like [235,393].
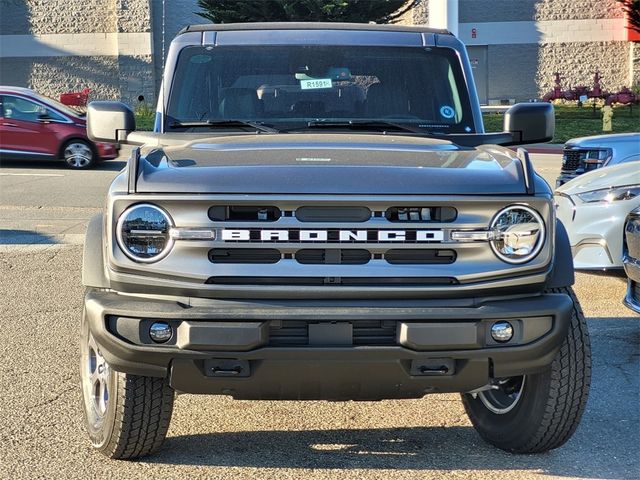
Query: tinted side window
[53,115]
[21,109]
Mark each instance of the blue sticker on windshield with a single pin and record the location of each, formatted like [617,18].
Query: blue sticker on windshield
[447,112]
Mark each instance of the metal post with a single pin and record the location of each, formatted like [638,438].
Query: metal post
[444,14]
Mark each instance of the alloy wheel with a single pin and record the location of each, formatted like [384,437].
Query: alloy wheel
[504,395]
[95,379]
[78,155]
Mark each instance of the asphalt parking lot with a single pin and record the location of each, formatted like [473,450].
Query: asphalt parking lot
[43,214]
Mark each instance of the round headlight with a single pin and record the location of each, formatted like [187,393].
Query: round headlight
[517,234]
[143,233]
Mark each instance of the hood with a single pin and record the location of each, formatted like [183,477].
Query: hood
[330,164]
[603,141]
[608,177]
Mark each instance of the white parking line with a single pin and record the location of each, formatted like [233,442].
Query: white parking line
[2,174]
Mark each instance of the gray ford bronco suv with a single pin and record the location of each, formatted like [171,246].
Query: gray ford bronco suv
[318,214]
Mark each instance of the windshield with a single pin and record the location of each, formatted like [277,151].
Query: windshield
[291,86]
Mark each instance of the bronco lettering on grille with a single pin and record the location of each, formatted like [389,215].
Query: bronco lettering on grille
[332,235]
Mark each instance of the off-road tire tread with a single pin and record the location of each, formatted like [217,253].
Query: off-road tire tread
[569,388]
[570,382]
[142,415]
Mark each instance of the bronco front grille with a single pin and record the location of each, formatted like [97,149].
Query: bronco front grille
[346,242]
[320,245]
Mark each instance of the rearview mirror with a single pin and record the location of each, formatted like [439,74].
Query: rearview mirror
[109,122]
[530,123]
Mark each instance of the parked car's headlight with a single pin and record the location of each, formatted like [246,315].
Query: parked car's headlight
[143,233]
[517,234]
[610,194]
[601,154]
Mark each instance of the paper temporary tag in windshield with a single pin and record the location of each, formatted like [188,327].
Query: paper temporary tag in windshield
[315,83]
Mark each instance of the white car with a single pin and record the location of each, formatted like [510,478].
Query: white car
[593,208]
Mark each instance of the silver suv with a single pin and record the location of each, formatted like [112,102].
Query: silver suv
[320,215]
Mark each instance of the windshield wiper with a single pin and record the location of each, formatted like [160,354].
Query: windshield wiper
[359,125]
[224,124]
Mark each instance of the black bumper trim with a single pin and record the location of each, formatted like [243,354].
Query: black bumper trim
[329,372]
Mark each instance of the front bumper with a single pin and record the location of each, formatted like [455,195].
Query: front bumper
[595,231]
[632,269]
[107,151]
[565,177]
[230,347]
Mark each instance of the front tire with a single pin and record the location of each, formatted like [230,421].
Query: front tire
[127,416]
[539,412]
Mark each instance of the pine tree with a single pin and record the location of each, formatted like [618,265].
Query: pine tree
[357,11]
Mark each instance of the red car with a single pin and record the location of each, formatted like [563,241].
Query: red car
[33,127]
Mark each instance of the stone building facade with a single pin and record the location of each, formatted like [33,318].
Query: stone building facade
[56,46]
[117,47]
[527,41]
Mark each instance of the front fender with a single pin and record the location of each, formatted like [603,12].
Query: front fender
[93,272]
[562,274]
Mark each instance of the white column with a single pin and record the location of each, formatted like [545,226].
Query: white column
[444,14]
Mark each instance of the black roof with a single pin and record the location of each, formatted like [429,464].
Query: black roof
[221,27]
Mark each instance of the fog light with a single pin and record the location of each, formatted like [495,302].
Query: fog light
[160,332]
[502,331]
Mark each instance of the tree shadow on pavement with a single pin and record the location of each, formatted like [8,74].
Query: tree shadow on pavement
[24,237]
[415,449]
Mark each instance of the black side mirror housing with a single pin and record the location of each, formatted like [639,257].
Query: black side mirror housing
[533,122]
[109,122]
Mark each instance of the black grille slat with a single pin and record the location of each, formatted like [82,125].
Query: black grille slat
[318,256]
[333,214]
[244,213]
[422,257]
[291,333]
[333,281]
[421,214]
[571,160]
[245,255]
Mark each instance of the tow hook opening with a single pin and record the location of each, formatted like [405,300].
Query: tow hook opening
[439,367]
[224,367]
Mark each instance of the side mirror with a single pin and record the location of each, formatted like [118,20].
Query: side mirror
[530,123]
[109,122]
[44,118]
